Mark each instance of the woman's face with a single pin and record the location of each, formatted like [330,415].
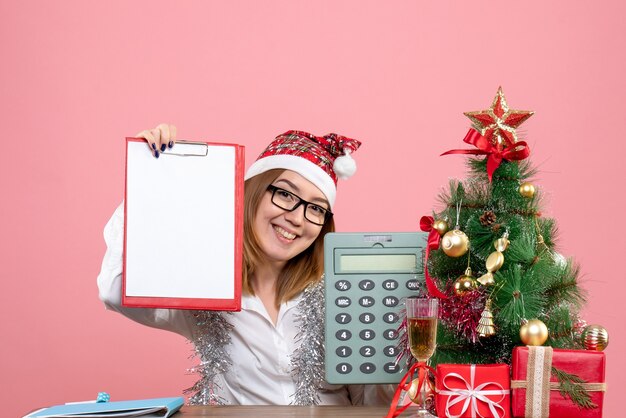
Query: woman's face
[281,234]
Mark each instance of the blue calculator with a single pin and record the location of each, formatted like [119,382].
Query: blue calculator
[367,277]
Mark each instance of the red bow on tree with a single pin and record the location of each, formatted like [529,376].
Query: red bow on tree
[426,225]
[495,153]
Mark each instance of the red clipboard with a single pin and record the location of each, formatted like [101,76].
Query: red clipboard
[183,226]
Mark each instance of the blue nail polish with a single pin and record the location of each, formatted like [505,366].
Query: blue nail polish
[171,144]
[154,146]
[162,147]
[156,154]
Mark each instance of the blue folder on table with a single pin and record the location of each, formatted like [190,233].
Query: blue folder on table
[157,407]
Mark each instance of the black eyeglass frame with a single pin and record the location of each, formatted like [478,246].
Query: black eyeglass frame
[301,201]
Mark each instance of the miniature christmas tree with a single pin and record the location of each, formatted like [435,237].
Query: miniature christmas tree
[492,259]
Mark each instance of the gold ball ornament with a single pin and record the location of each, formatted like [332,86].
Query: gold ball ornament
[527,189]
[455,243]
[465,283]
[441,226]
[595,337]
[533,332]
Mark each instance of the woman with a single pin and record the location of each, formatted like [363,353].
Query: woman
[271,352]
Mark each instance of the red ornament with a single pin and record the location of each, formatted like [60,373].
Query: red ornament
[426,225]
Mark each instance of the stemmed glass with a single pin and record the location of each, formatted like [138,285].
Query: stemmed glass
[421,314]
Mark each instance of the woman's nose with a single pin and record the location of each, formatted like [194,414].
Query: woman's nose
[296,216]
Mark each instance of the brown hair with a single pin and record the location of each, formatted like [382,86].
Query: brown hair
[299,272]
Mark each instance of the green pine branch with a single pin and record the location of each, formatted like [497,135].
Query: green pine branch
[561,320]
[549,231]
[564,285]
[520,296]
[571,387]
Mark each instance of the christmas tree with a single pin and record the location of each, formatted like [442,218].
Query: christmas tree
[492,259]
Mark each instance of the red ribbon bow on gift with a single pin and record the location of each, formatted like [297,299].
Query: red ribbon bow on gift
[405,384]
[426,225]
[471,395]
[495,153]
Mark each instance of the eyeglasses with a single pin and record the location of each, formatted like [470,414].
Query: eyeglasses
[290,202]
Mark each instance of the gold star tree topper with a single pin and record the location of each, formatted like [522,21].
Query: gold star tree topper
[498,123]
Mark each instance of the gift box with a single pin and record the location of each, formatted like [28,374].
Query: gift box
[469,390]
[535,388]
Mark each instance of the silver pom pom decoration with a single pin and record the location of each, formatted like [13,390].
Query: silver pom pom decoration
[210,341]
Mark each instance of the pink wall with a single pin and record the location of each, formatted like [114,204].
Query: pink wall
[78,76]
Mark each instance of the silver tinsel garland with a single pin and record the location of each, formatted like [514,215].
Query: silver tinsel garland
[307,361]
[211,338]
[213,335]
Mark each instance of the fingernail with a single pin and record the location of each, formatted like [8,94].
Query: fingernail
[171,144]
[154,146]
[162,147]
[156,154]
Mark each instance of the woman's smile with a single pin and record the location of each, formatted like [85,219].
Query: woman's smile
[282,233]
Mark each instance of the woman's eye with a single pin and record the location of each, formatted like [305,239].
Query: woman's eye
[318,210]
[285,195]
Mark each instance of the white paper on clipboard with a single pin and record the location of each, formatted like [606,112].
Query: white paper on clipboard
[182,232]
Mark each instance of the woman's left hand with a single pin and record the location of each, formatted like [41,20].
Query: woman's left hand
[159,138]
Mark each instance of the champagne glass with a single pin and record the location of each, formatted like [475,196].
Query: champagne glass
[421,314]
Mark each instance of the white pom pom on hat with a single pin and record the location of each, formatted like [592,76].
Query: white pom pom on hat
[344,166]
[321,160]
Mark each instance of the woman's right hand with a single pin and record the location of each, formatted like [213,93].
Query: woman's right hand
[159,138]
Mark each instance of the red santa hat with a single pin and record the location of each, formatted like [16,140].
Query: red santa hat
[320,160]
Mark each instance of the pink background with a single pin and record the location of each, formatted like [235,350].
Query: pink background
[78,76]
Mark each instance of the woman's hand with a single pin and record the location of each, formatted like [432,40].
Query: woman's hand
[159,138]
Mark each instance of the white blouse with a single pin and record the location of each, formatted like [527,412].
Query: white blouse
[260,351]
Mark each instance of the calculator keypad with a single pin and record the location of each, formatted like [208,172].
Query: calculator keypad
[367,317]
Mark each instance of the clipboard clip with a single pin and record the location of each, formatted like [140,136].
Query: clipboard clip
[188,149]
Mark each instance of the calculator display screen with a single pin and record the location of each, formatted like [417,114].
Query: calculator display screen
[384,263]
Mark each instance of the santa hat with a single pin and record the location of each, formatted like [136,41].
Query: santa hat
[320,160]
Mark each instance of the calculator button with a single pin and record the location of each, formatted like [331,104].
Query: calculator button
[391,334]
[368,368]
[343,351]
[366,301]
[391,367]
[366,284]
[343,302]
[343,335]
[390,284]
[412,285]
[344,368]
[367,351]
[343,318]
[367,318]
[367,334]
[390,351]
[390,301]
[342,285]
[391,318]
